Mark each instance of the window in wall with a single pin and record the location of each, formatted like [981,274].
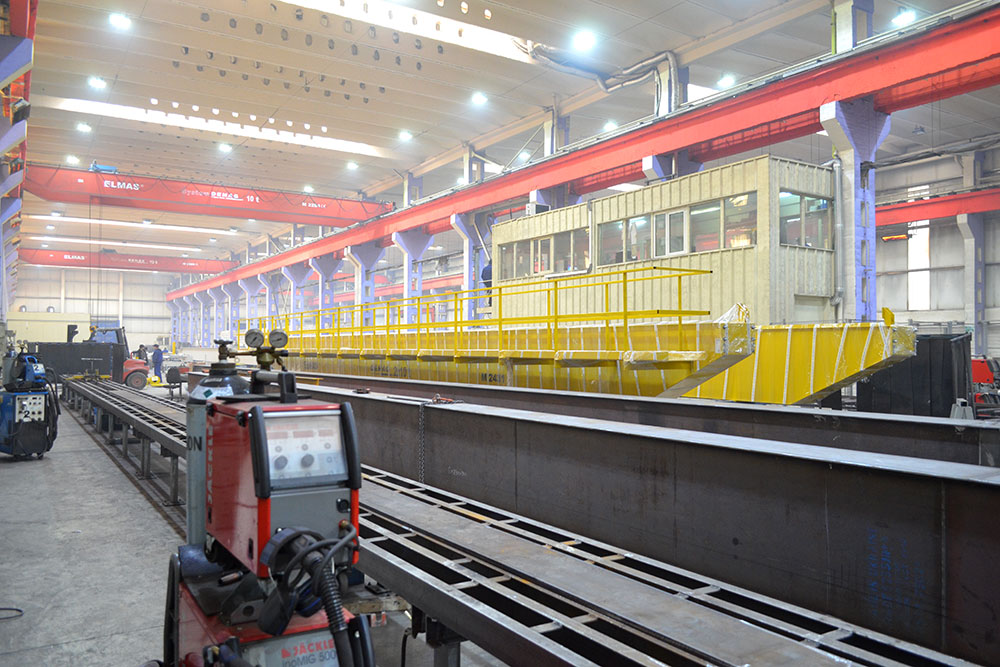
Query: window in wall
[562,259]
[739,219]
[581,249]
[668,233]
[507,261]
[541,252]
[816,222]
[610,243]
[918,256]
[705,226]
[790,216]
[639,239]
[522,259]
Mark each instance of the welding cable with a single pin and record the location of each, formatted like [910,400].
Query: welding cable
[14,612]
[402,649]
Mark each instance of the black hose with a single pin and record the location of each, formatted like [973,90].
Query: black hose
[329,591]
[367,653]
[402,650]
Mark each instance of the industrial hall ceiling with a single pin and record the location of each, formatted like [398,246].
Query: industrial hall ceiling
[344,97]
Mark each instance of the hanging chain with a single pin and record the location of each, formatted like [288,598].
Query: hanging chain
[420,444]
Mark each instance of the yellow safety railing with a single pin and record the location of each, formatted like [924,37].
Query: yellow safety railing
[406,323]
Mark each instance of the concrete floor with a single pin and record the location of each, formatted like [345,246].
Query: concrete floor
[85,556]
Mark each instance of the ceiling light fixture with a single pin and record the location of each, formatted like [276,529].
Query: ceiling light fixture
[405,135]
[306,125]
[610,126]
[175,104]
[236,114]
[185,255]
[120,21]
[726,81]
[524,156]
[271,121]
[352,165]
[225,148]
[56,214]
[392,16]
[218,126]
[251,219]
[323,129]
[45,245]
[50,227]
[101,242]
[213,240]
[83,127]
[462,180]
[154,101]
[584,41]
[215,112]
[195,107]
[479,99]
[72,159]
[253,117]
[904,18]
[288,123]
[97,83]
[232,229]
[308,188]
[145,224]
[436,247]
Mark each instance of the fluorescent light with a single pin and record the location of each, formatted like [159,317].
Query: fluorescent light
[307,126]
[213,240]
[101,242]
[50,227]
[405,135]
[610,126]
[147,221]
[251,219]
[904,18]
[124,223]
[195,107]
[253,117]
[120,21]
[156,117]
[215,112]
[625,187]
[236,114]
[393,16]
[175,104]
[97,83]
[726,81]
[83,127]
[45,245]
[308,188]
[524,156]
[288,123]
[352,165]
[584,41]
[436,247]
[56,214]
[271,121]
[225,148]
[72,159]
[479,99]
[185,255]
[323,129]
[154,101]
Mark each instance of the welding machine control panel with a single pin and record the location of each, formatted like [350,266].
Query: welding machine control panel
[305,448]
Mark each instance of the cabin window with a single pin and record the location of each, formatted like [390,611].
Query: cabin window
[639,239]
[706,220]
[610,243]
[522,259]
[668,233]
[541,253]
[507,260]
[739,220]
[805,221]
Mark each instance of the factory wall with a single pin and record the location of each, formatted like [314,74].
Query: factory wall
[136,299]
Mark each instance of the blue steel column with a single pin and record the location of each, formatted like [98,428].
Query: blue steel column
[857,130]
[234,293]
[175,329]
[852,22]
[413,243]
[669,165]
[219,306]
[555,133]
[9,208]
[364,257]
[472,248]
[413,188]
[251,287]
[272,288]
[202,335]
[973,279]
[326,266]
[189,320]
[297,276]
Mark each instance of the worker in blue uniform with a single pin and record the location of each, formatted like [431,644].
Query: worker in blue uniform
[157,362]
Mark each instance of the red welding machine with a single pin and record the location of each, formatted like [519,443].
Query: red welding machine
[281,499]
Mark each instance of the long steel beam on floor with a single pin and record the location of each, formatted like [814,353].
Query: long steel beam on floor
[531,593]
[956,441]
[905,546]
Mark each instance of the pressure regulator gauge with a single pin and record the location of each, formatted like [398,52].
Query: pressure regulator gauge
[278,339]
[254,338]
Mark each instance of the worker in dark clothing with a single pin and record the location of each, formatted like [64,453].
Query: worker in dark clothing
[141,354]
[157,362]
[487,277]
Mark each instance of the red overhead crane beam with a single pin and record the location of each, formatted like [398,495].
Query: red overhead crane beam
[952,59]
[946,206]
[79,186]
[110,260]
